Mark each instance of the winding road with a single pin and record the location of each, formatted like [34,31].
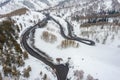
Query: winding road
[71,37]
[74,37]
[61,70]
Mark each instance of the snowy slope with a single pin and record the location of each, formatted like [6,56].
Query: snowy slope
[86,7]
[101,61]
[25,21]
[30,4]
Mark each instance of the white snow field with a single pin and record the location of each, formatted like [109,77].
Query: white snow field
[101,61]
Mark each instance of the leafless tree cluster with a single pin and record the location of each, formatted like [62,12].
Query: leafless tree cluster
[44,76]
[79,74]
[11,71]
[48,37]
[89,77]
[59,60]
[101,33]
[26,72]
[11,55]
[69,43]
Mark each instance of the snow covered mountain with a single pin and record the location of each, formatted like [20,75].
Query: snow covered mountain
[30,4]
[96,20]
[77,5]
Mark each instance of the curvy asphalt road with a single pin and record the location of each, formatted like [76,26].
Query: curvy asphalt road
[61,70]
[70,35]
[74,37]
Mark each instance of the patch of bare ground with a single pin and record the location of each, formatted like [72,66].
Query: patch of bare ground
[84,25]
[15,12]
[68,43]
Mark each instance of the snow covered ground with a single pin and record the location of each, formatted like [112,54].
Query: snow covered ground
[32,5]
[101,61]
[38,67]
[27,20]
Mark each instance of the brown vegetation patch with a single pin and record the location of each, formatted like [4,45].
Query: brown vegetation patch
[14,13]
[48,37]
[69,43]
[84,25]
[99,16]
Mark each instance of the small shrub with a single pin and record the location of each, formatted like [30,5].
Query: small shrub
[79,74]
[89,77]
[26,72]
[1,77]
[29,68]
[59,60]
[41,73]
[25,55]
[45,77]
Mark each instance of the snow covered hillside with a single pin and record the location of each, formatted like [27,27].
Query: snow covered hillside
[99,60]
[96,20]
[30,4]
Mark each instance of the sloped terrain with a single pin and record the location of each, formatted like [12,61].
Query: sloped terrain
[98,60]
[69,26]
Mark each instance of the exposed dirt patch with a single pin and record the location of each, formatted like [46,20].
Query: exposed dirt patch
[14,13]
[97,24]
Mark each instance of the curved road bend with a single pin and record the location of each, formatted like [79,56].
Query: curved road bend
[71,37]
[61,28]
[85,41]
[61,70]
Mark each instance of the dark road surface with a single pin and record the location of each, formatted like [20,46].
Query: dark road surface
[71,37]
[85,41]
[61,69]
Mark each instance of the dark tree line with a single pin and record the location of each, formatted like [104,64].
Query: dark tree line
[11,55]
[94,20]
